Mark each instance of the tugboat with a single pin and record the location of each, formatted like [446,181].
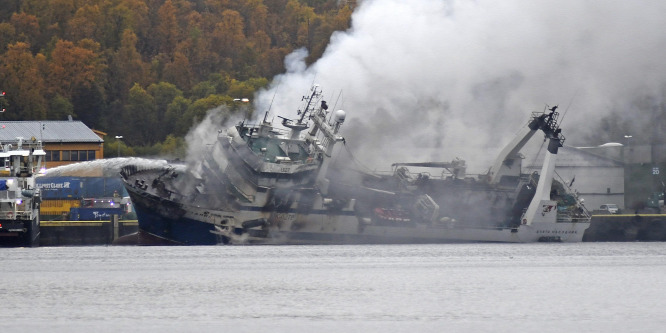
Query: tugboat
[19,196]
[260,184]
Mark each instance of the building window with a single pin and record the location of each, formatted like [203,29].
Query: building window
[75,155]
[52,156]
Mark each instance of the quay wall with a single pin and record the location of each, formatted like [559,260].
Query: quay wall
[72,233]
[626,228]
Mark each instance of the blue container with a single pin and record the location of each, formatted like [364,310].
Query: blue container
[60,187]
[70,188]
[93,214]
[103,187]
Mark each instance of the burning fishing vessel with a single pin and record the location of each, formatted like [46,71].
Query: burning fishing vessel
[261,184]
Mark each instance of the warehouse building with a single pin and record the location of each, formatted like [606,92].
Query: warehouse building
[65,142]
[597,179]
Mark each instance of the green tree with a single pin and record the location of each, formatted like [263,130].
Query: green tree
[116,148]
[173,147]
[197,111]
[140,117]
[60,108]
[246,89]
[163,94]
[175,116]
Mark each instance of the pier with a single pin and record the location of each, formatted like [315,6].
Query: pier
[73,233]
[626,228]
[604,228]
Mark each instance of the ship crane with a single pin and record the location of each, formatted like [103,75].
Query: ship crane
[508,163]
[541,208]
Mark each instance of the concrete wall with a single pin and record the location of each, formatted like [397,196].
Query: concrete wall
[596,185]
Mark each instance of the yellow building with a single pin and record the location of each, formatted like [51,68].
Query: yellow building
[65,142]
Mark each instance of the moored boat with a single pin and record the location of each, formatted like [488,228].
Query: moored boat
[19,195]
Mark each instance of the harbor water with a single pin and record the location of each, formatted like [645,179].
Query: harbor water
[584,287]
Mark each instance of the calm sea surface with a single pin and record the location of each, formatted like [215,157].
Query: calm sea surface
[586,287]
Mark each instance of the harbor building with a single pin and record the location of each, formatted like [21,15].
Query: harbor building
[65,142]
[596,178]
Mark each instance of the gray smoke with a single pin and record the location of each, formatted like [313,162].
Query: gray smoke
[435,80]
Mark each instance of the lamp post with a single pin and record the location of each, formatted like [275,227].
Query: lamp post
[118,137]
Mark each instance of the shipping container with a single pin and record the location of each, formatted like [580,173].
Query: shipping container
[57,208]
[94,214]
[80,187]
[60,187]
[100,187]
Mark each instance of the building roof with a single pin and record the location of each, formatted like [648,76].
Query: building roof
[573,157]
[48,131]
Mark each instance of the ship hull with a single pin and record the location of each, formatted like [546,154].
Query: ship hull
[20,233]
[196,226]
[167,224]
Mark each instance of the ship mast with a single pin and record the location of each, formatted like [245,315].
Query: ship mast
[298,127]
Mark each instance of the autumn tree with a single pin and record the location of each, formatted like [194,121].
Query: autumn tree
[178,72]
[22,80]
[166,32]
[127,67]
[26,29]
[228,37]
[74,66]
[86,24]
[93,58]
[7,36]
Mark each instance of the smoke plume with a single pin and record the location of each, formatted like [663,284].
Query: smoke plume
[434,79]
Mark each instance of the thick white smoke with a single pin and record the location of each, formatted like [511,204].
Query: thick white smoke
[434,79]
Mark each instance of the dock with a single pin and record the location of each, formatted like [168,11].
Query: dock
[97,232]
[626,228]
[603,228]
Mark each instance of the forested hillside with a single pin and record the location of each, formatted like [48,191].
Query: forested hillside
[149,69]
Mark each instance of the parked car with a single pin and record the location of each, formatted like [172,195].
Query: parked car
[610,208]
